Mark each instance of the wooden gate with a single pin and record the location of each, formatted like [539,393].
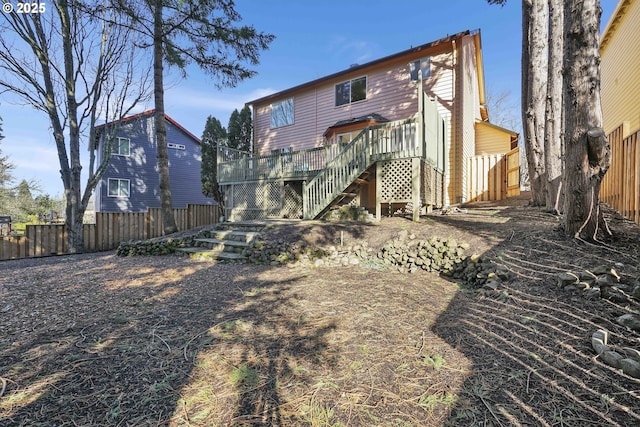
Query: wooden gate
[494,176]
[513,172]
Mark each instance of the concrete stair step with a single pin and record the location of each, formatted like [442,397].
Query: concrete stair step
[212,254]
[233,245]
[242,226]
[236,236]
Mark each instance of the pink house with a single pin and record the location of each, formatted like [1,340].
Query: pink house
[389,134]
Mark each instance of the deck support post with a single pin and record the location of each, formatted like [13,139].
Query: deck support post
[415,188]
[378,191]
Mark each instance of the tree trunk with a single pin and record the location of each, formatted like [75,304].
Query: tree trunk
[168,220]
[553,146]
[534,89]
[74,210]
[588,153]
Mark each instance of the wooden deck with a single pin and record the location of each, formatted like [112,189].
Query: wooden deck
[328,171]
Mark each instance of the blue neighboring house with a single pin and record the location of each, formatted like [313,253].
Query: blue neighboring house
[131,182]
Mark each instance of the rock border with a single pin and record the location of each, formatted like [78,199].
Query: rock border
[627,358]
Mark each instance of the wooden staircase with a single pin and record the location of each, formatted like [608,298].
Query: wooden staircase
[344,175]
[340,179]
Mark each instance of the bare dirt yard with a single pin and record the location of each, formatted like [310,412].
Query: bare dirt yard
[101,340]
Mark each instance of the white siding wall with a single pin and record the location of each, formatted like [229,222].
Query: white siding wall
[467,110]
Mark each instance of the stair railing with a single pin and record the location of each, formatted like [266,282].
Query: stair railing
[354,159]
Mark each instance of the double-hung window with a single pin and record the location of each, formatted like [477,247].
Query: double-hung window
[118,187]
[121,147]
[350,91]
[282,113]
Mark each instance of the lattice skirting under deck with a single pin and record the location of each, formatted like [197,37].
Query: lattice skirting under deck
[395,179]
[259,200]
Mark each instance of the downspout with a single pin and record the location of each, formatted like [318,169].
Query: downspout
[450,153]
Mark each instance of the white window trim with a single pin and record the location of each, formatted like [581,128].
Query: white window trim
[366,91]
[119,195]
[118,139]
[293,116]
[424,64]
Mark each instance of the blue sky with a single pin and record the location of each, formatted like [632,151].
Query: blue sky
[313,39]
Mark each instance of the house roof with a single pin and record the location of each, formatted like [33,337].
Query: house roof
[369,118]
[514,136]
[409,52]
[614,22]
[149,113]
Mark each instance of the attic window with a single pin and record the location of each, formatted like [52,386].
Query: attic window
[282,113]
[423,64]
[176,146]
[351,91]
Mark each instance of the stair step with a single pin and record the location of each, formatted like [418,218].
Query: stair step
[246,226]
[213,254]
[361,181]
[224,244]
[238,236]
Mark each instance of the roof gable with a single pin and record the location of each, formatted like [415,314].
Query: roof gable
[409,53]
[616,17]
[146,114]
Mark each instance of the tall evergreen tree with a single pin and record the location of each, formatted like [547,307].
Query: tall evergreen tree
[214,135]
[180,32]
[240,129]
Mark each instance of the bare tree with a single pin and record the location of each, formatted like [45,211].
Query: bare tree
[553,132]
[588,154]
[77,69]
[535,18]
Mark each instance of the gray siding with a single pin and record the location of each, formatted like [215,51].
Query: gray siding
[141,169]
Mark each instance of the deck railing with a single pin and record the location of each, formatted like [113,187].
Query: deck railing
[390,140]
[238,166]
[329,170]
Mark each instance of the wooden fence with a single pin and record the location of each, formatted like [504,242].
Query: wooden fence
[106,234]
[493,176]
[621,184]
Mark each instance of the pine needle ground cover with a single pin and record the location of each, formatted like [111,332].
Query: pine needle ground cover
[102,340]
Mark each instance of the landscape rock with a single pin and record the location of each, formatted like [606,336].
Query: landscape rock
[630,367]
[631,321]
[593,293]
[631,353]
[566,279]
[599,341]
[612,358]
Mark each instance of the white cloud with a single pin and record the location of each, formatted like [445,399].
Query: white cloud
[351,51]
[225,101]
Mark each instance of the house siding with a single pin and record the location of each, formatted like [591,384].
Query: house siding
[467,111]
[141,169]
[390,93]
[620,69]
[490,140]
